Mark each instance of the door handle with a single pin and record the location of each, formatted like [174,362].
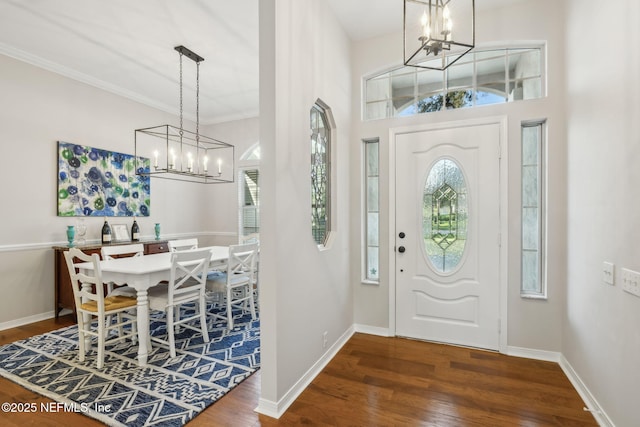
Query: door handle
[401,235]
[401,249]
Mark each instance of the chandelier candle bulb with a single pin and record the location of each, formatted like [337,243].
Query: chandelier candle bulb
[204,163]
[173,159]
[219,166]
[189,162]
[156,154]
[425,25]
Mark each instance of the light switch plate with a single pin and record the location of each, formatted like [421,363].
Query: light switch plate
[631,281]
[608,273]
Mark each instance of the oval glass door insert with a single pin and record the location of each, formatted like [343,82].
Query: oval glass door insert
[445,212]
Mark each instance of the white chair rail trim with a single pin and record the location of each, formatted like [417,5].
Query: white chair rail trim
[47,245]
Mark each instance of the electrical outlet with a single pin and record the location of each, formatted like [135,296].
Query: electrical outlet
[631,281]
[608,273]
[324,339]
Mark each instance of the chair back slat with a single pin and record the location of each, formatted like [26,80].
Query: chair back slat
[182,244]
[111,252]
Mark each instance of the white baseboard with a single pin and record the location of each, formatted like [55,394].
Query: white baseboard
[590,401]
[592,404]
[529,353]
[371,330]
[276,409]
[26,320]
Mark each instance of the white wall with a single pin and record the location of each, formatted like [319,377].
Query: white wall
[601,337]
[304,55]
[531,324]
[220,201]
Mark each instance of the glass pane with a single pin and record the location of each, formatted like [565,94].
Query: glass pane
[532,88]
[459,99]
[372,194]
[445,215]
[378,89]
[523,64]
[530,186]
[402,105]
[491,76]
[530,229]
[372,229]
[530,273]
[530,138]
[430,104]
[460,76]
[402,85]
[430,82]
[485,97]
[372,263]
[372,158]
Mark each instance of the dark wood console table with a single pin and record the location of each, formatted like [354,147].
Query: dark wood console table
[63,290]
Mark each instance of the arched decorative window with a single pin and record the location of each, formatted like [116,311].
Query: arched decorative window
[321,122]
[481,77]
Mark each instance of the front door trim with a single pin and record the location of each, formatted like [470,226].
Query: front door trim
[503,237]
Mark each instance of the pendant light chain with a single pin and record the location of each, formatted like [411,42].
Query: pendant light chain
[197,105]
[181,121]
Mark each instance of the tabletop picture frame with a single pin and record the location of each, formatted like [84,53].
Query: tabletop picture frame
[121,233]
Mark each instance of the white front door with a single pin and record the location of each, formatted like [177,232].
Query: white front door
[448,235]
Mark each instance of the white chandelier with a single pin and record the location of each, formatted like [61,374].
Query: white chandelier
[437,32]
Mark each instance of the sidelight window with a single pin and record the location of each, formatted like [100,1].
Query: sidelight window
[532,283]
[372,210]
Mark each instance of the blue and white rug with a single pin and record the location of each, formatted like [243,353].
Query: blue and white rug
[166,392]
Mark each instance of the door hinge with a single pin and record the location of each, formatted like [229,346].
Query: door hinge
[499,326]
[499,240]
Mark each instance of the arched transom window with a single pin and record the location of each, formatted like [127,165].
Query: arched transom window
[481,77]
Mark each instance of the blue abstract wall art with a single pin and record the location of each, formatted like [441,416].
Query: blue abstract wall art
[96,182]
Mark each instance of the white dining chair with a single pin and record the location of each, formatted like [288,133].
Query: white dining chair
[119,251]
[182,244]
[236,283]
[186,286]
[91,303]
[255,238]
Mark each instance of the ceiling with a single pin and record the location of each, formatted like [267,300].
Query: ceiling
[126,47]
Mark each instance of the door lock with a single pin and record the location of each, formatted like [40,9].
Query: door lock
[401,235]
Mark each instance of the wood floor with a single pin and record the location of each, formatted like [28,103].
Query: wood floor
[375,381]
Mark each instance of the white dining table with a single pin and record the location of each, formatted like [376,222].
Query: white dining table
[142,273]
